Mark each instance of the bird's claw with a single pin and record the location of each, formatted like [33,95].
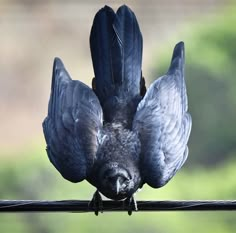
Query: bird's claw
[131,205]
[96,203]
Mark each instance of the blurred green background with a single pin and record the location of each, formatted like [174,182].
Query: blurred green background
[32,33]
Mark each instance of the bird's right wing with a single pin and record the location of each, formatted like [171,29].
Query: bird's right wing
[163,124]
[72,125]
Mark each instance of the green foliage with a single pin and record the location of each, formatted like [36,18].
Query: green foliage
[211,85]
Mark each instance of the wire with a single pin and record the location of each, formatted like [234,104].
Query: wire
[85,206]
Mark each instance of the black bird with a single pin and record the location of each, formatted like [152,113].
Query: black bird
[118,136]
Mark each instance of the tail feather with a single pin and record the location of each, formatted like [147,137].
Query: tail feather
[100,46]
[128,44]
[116,49]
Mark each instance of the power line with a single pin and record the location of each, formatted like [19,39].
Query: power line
[115,206]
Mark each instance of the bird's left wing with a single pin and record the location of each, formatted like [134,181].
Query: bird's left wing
[72,125]
[164,125]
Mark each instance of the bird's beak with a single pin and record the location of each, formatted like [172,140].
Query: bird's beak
[118,185]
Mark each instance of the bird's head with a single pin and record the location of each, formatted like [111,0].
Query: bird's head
[118,183]
[116,172]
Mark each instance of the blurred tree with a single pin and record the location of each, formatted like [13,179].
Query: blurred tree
[211,85]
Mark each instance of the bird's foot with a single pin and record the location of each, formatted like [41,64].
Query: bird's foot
[131,205]
[96,203]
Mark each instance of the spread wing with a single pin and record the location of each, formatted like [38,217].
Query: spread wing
[71,127]
[164,125]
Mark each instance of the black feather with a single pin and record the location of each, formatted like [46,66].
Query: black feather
[71,127]
[164,124]
[116,49]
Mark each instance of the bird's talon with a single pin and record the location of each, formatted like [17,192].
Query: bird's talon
[131,205]
[96,203]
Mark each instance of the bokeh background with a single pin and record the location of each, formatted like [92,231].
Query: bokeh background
[32,33]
